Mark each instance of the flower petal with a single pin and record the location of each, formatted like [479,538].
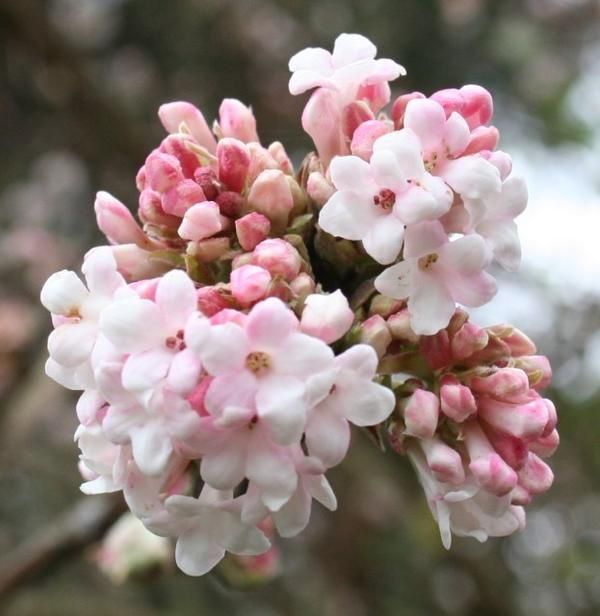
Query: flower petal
[348,214]
[71,344]
[384,239]
[430,306]
[63,293]
[176,298]
[196,554]
[327,436]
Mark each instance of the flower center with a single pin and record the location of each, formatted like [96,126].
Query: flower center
[427,262]
[258,362]
[385,199]
[430,162]
[175,343]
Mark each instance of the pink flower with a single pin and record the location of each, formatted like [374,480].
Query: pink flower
[444,141]
[152,333]
[265,361]
[327,317]
[351,65]
[376,200]
[437,273]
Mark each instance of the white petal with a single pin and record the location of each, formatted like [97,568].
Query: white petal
[349,48]
[427,119]
[348,214]
[293,517]
[196,554]
[268,323]
[151,448]
[301,355]
[395,281]
[237,390]
[184,372]
[351,173]
[430,306]
[472,177]
[384,240]
[225,349]
[361,359]
[407,149]
[327,436]
[363,403]
[100,269]
[424,238]
[71,344]
[225,467]
[457,134]
[176,298]
[143,371]
[63,293]
[311,58]
[239,538]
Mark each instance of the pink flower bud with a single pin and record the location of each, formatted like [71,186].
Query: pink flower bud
[490,470]
[237,120]
[450,99]
[252,229]
[478,106]
[546,445]
[201,221]
[399,325]
[468,340]
[234,162]
[524,421]
[482,138]
[374,331]
[249,283]
[260,160]
[399,107]
[537,368]
[146,289]
[552,417]
[319,188]
[270,194]
[507,384]
[327,317]
[278,257]
[520,496]
[421,414]
[384,306]
[501,160]
[117,222]
[230,203]
[177,146]
[536,476]
[321,119]
[210,249]
[181,115]
[162,171]
[517,342]
[302,286]
[207,179]
[457,401]
[444,462]
[376,95]
[365,136]
[212,299]
[135,264]
[512,450]
[277,151]
[150,210]
[180,198]
[353,115]
[436,349]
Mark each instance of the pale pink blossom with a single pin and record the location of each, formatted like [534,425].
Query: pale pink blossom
[354,398]
[375,200]
[437,273]
[265,361]
[327,317]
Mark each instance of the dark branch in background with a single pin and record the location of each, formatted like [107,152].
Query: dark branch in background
[73,530]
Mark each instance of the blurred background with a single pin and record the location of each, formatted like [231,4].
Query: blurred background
[80,82]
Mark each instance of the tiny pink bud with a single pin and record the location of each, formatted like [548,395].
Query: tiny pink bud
[384,306]
[327,317]
[536,476]
[178,115]
[302,286]
[552,417]
[353,115]
[321,119]
[230,203]
[212,299]
[501,160]
[436,349]
[150,210]
[176,145]
[180,198]
[546,445]
[507,384]
[374,331]
[450,99]
[319,188]
[252,229]
[537,368]
[162,171]
[457,401]
[399,324]
[524,421]
[202,220]
[444,462]
[512,450]
[207,179]
[482,138]
[468,340]
[365,136]
[237,120]
[478,105]
[278,257]
[249,283]
[520,496]
[117,222]
[210,249]
[517,342]
[421,414]
[260,160]
[376,95]
[270,195]
[277,151]
[399,107]
[490,470]
[234,162]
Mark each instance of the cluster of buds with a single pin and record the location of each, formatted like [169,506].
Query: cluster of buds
[225,346]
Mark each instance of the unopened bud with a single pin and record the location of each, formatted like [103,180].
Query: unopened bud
[384,306]
[468,340]
[252,229]
[234,162]
[319,188]
[249,283]
[237,120]
[277,151]
[507,384]
[457,400]
[201,221]
[162,171]
[445,463]
[278,257]
[180,198]
[374,331]
[117,222]
[365,136]
[537,368]
[421,414]
[327,317]
[536,476]
[399,107]
[399,324]
[270,195]
[178,115]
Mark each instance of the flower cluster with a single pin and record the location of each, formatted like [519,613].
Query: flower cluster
[225,345]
